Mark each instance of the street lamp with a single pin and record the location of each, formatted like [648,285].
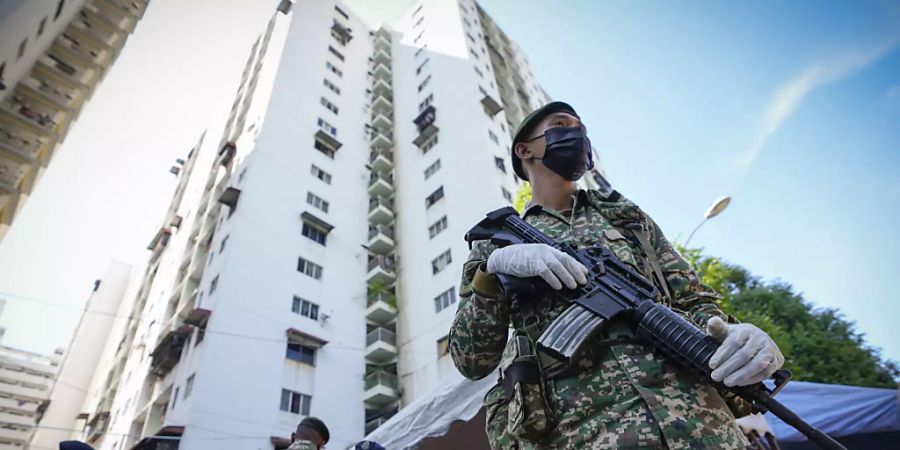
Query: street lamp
[714,210]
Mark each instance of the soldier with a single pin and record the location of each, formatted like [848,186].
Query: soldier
[312,434]
[619,393]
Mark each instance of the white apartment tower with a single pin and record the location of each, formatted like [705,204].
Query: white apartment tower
[25,382]
[313,268]
[53,54]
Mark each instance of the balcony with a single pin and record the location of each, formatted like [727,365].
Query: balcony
[381,210]
[160,239]
[382,43]
[19,145]
[11,175]
[381,140]
[381,388]
[26,393]
[382,185]
[168,352]
[32,118]
[381,270]
[382,56]
[381,160]
[381,308]
[94,26]
[328,140]
[425,123]
[121,15]
[60,97]
[382,121]
[226,154]
[97,425]
[382,71]
[229,198]
[383,87]
[381,345]
[17,436]
[491,107]
[381,239]
[382,105]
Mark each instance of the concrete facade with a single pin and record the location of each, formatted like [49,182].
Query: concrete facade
[25,382]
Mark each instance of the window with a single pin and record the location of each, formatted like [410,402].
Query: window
[211,255]
[41,26]
[295,402]
[320,174]
[437,227]
[419,51]
[174,400]
[419,22]
[416,40]
[424,104]
[324,149]
[418,10]
[241,175]
[309,269]
[445,299]
[498,161]
[189,386]
[434,197]
[507,195]
[314,233]
[336,53]
[472,52]
[222,247]
[213,284]
[332,87]
[466,22]
[481,75]
[429,144]
[443,346]
[424,83]
[317,201]
[301,353]
[305,308]
[421,66]
[434,167]
[438,264]
[471,38]
[22,49]
[328,105]
[326,127]
[493,137]
[341,12]
[333,69]
[59,8]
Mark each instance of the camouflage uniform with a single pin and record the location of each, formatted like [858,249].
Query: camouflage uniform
[620,394]
[302,444]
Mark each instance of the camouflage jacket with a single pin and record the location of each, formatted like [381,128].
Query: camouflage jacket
[621,395]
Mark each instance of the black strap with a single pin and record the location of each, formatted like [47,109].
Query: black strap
[526,372]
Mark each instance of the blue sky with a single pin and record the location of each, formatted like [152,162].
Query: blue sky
[792,108]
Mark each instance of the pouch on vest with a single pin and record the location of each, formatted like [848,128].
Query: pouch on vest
[529,414]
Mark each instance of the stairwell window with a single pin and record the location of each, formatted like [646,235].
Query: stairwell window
[189,386]
[419,37]
[437,227]
[331,86]
[333,69]
[422,66]
[213,284]
[328,105]
[320,174]
[419,51]
[424,103]
[432,141]
[432,169]
[309,269]
[434,197]
[493,137]
[498,161]
[445,299]
[507,195]
[317,201]
[59,8]
[305,308]
[438,264]
[295,402]
[336,53]
[424,83]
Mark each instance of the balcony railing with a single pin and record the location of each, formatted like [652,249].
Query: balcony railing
[384,262]
[374,202]
[385,230]
[380,378]
[376,177]
[381,335]
[380,297]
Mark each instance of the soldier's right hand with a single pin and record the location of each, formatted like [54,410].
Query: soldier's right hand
[538,260]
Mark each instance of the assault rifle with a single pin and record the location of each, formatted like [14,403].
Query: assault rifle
[616,291]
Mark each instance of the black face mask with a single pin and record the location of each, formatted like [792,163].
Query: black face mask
[565,152]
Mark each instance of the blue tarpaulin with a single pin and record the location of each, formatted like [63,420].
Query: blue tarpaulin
[837,409]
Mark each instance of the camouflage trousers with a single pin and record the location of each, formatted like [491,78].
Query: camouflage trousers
[625,397]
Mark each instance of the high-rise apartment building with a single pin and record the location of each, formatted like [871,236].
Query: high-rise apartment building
[53,54]
[309,261]
[25,382]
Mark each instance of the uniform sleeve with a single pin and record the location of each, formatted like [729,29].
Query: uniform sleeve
[698,300]
[479,330]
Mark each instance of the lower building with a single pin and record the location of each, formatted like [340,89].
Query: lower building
[25,382]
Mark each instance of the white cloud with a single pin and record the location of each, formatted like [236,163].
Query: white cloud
[790,95]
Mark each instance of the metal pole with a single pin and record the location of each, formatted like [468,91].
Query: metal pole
[692,232]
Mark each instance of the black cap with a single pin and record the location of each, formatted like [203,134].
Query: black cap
[529,123]
[316,424]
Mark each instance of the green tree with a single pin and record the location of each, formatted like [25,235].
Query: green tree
[818,343]
[523,195]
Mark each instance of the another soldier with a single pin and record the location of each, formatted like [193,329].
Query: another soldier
[619,393]
[312,434]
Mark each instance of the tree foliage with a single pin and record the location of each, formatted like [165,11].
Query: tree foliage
[523,195]
[818,343]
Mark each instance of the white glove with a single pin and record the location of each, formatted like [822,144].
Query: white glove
[538,260]
[747,354]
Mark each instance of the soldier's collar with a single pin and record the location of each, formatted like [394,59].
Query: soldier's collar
[579,197]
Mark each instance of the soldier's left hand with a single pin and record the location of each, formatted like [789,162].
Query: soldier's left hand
[747,354]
